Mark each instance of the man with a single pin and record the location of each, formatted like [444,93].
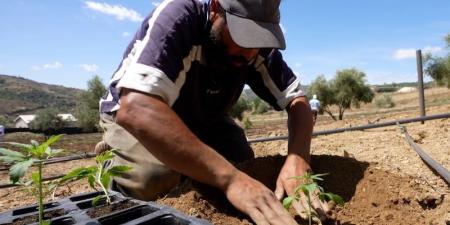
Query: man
[315,105]
[180,75]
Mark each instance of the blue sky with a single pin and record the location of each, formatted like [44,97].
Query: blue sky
[67,42]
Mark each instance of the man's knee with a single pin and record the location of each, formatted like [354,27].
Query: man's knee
[148,185]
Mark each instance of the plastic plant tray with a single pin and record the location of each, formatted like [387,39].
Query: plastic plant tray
[75,210]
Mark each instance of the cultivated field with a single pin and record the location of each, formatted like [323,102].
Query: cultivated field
[381,178]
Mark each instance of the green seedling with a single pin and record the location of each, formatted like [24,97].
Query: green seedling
[98,175]
[33,153]
[307,187]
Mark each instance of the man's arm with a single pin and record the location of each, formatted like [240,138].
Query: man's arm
[298,160]
[165,135]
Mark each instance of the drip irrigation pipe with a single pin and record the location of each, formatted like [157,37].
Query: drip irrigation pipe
[61,159]
[442,171]
[43,179]
[325,132]
[362,127]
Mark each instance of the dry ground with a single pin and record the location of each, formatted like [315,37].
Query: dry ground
[381,178]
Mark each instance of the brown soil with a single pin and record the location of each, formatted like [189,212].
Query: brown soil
[35,218]
[108,209]
[372,196]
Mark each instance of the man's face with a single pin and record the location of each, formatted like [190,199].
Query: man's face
[229,52]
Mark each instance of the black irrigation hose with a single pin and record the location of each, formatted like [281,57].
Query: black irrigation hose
[363,127]
[43,179]
[61,159]
[325,132]
[442,171]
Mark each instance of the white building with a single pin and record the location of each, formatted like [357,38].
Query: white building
[23,121]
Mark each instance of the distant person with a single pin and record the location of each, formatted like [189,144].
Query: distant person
[315,106]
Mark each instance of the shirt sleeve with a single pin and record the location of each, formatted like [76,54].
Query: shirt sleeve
[274,81]
[161,50]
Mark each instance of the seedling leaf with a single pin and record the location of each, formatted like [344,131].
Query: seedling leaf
[10,159]
[20,145]
[18,170]
[118,170]
[91,181]
[35,178]
[332,197]
[78,173]
[52,140]
[11,153]
[97,199]
[105,179]
[288,201]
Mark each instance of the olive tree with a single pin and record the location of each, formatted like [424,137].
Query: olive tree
[438,67]
[325,93]
[47,120]
[239,108]
[347,89]
[350,88]
[87,110]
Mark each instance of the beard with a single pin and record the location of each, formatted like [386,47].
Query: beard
[216,51]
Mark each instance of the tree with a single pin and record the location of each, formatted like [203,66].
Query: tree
[350,88]
[325,93]
[87,110]
[438,67]
[259,106]
[239,108]
[47,120]
[347,89]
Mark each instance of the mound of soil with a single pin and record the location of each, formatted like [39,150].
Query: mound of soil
[372,195]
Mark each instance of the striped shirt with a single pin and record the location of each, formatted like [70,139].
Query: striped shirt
[167,58]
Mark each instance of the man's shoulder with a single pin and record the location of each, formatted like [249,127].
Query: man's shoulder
[189,6]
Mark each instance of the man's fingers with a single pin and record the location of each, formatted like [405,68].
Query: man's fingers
[276,214]
[257,217]
[300,209]
[318,207]
[279,191]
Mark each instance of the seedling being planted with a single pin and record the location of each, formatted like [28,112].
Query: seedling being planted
[308,185]
[97,176]
[33,153]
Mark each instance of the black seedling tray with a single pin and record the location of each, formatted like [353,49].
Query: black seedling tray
[75,210]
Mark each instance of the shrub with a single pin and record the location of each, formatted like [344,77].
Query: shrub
[384,101]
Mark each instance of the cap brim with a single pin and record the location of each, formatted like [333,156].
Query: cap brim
[253,34]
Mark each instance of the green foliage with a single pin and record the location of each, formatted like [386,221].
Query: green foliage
[347,89]
[262,108]
[47,120]
[33,153]
[308,185]
[239,108]
[325,94]
[97,175]
[87,111]
[384,101]
[5,121]
[247,123]
[438,67]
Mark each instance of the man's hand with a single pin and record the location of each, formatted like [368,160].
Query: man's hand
[257,201]
[296,166]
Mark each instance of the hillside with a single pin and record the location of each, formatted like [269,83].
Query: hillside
[22,96]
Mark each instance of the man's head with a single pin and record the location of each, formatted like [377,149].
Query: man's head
[241,27]
[314,96]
